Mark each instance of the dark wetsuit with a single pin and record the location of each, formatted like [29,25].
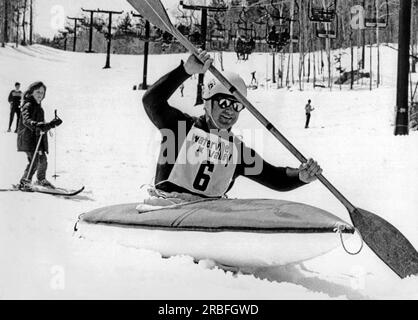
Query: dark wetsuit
[165,117]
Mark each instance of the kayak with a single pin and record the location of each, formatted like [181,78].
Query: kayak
[231,232]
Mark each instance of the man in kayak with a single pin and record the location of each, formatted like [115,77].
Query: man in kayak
[200,157]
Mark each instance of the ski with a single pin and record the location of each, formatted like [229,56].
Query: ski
[52,191]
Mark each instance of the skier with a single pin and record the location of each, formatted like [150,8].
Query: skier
[15,98]
[182,89]
[31,125]
[254,82]
[200,157]
[308,110]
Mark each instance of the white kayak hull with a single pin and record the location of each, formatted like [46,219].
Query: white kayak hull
[239,238]
[240,249]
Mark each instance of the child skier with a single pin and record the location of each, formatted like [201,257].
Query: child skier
[31,129]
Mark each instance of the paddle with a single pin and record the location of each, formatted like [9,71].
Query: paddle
[384,239]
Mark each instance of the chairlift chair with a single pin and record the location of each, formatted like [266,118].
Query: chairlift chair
[219,39]
[219,35]
[183,22]
[326,34]
[321,12]
[282,19]
[328,30]
[195,33]
[372,21]
[278,39]
[261,26]
[244,38]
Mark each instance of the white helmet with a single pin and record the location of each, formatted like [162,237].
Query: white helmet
[214,86]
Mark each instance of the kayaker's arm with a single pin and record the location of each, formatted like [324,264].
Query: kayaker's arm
[155,100]
[276,178]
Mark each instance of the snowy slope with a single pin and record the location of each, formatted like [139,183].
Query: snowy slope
[108,144]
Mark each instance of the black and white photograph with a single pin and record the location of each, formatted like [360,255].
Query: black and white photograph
[209,150]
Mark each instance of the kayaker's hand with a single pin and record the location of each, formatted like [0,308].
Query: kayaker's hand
[193,64]
[308,171]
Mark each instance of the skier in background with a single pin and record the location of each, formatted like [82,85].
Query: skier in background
[254,82]
[15,98]
[199,156]
[182,89]
[31,124]
[308,110]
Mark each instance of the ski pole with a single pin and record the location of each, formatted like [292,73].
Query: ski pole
[35,154]
[55,149]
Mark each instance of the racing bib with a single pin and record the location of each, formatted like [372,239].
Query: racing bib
[205,164]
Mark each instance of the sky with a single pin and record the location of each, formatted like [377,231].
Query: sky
[50,15]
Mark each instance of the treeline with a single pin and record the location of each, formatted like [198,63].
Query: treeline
[244,19]
[16,22]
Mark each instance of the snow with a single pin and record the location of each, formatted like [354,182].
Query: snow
[108,144]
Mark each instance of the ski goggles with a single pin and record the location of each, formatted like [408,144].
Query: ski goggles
[224,102]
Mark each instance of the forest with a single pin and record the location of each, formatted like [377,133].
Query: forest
[243,26]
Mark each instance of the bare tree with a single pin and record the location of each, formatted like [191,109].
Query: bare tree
[24,23]
[31,22]
[5,12]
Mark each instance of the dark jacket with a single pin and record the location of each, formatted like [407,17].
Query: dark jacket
[15,97]
[28,134]
[164,116]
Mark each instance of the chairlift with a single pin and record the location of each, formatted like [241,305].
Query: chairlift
[195,35]
[278,39]
[261,25]
[183,22]
[218,37]
[326,34]
[260,32]
[279,34]
[325,30]
[373,20]
[281,14]
[244,46]
[244,31]
[244,38]
[322,10]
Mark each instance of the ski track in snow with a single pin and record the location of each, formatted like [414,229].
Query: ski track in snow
[108,144]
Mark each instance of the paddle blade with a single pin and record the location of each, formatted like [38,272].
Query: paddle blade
[154,12]
[387,242]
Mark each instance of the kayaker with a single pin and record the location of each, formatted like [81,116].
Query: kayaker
[200,156]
